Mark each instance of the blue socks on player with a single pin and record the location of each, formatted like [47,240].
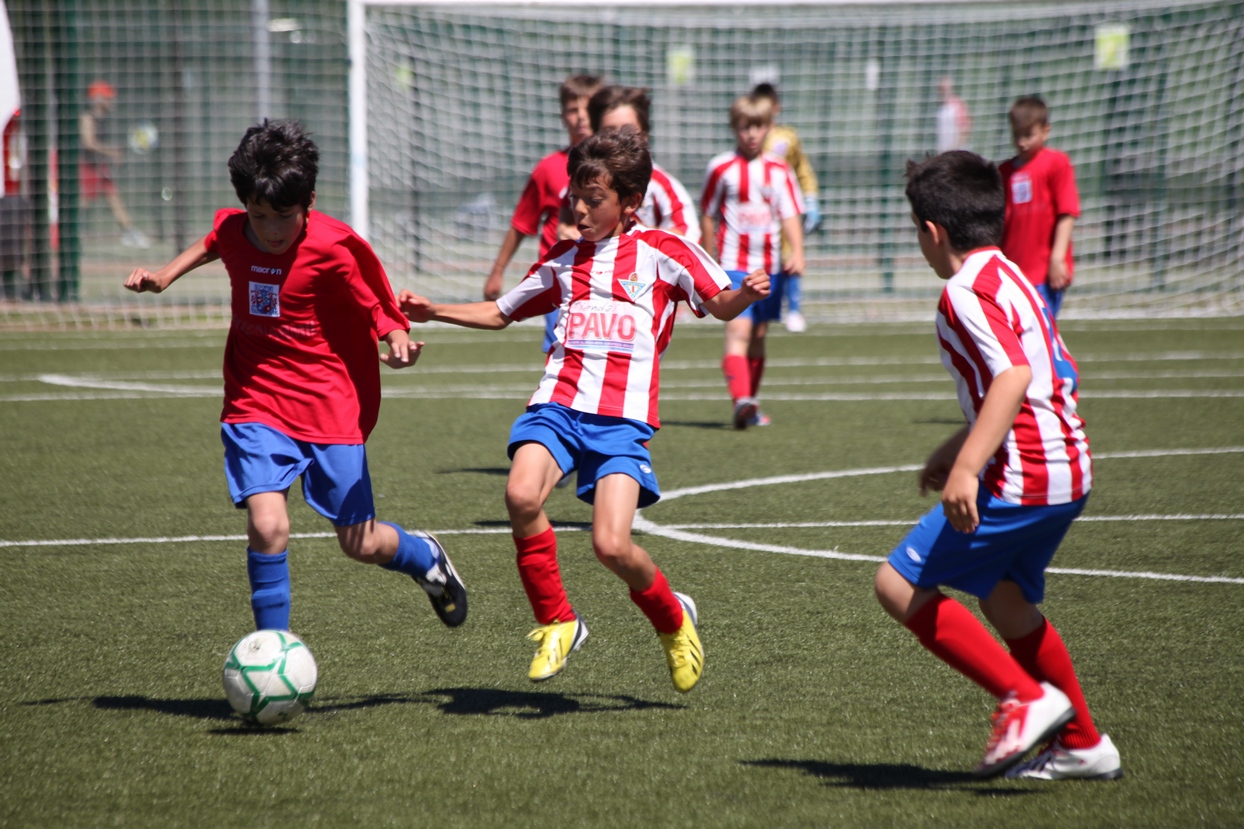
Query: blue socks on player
[414,556]
[269,577]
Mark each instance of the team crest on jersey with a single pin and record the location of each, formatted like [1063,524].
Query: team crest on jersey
[265,299]
[633,286]
[766,193]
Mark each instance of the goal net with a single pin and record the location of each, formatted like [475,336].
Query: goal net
[430,116]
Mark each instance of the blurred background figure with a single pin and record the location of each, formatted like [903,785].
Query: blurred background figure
[14,206]
[954,122]
[98,154]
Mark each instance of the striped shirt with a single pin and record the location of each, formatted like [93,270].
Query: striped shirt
[667,206]
[616,301]
[990,319]
[749,200]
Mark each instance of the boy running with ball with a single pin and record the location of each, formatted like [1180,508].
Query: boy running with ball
[615,290]
[1012,481]
[302,381]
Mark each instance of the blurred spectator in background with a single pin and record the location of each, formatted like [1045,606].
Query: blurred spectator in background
[954,122]
[98,154]
[14,207]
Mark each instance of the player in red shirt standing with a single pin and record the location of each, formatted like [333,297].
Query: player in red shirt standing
[539,207]
[1042,204]
[302,385]
[751,202]
[615,290]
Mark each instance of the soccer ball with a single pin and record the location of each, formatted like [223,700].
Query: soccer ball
[269,677]
[144,138]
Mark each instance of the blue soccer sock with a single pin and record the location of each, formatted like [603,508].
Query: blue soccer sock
[269,577]
[793,291]
[414,556]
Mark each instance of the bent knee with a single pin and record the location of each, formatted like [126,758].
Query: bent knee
[522,501]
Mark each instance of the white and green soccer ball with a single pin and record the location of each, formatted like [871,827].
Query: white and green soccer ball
[269,677]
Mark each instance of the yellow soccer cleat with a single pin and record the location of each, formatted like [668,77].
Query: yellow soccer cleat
[557,641]
[683,650]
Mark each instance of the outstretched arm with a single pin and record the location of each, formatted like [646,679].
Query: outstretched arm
[496,277]
[141,279]
[484,315]
[728,304]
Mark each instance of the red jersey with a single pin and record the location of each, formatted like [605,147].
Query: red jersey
[13,155]
[617,299]
[749,200]
[542,199]
[1036,195]
[301,354]
[990,319]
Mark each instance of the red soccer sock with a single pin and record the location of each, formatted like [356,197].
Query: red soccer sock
[542,579]
[738,376]
[660,605]
[956,637]
[1043,655]
[756,366]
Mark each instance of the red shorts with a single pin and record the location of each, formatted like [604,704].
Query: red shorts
[96,179]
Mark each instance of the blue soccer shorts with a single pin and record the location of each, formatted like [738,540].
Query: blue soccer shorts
[1013,543]
[335,480]
[596,445]
[769,308]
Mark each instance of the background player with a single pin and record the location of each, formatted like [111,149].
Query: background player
[302,385]
[540,204]
[616,290]
[783,142]
[1012,481]
[98,155]
[750,201]
[1042,204]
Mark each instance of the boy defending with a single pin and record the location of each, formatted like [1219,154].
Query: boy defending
[616,290]
[302,383]
[1042,204]
[751,201]
[1012,481]
[539,206]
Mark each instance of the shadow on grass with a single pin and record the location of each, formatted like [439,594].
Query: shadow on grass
[477,470]
[199,709]
[557,525]
[699,424]
[494,702]
[879,776]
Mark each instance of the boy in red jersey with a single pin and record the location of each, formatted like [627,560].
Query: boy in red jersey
[1042,204]
[750,204]
[539,206]
[302,384]
[616,290]
[1012,481]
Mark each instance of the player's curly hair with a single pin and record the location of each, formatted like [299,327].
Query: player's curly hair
[610,98]
[963,193]
[276,162]
[621,155]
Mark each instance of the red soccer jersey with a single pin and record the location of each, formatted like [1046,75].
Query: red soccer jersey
[749,200]
[1036,195]
[301,355]
[617,299]
[990,319]
[542,198]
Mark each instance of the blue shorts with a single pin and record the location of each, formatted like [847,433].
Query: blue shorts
[769,308]
[1013,543]
[596,445]
[1053,299]
[335,481]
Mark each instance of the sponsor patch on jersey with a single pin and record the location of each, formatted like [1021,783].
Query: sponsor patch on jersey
[265,299]
[633,286]
[1021,189]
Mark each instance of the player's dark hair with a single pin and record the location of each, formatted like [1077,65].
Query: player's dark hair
[963,193]
[578,86]
[619,157]
[614,97]
[275,162]
[1027,113]
[766,90]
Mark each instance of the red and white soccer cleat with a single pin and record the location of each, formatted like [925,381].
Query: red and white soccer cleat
[1019,726]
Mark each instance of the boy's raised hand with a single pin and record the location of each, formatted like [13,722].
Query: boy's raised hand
[756,284]
[141,279]
[402,352]
[415,307]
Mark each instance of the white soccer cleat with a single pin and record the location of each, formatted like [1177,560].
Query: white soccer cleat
[1101,762]
[1018,726]
[795,323]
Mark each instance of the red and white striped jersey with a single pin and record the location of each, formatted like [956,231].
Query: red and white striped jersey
[667,206]
[749,200]
[989,319]
[616,300]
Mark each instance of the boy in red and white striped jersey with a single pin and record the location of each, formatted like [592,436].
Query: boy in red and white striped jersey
[616,290]
[751,201]
[1012,481]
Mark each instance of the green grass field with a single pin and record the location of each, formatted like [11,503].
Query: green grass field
[123,584]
